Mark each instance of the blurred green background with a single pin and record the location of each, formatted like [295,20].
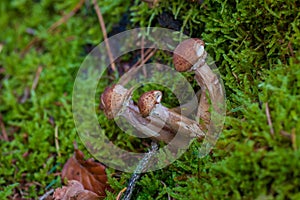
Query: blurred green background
[255,45]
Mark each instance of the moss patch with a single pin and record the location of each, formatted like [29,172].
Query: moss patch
[256,47]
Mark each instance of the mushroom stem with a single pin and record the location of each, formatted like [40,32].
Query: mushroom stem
[177,122]
[151,127]
[209,82]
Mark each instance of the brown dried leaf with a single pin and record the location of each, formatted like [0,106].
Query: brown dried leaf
[74,191]
[89,173]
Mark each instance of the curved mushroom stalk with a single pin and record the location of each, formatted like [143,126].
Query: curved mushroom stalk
[177,122]
[190,55]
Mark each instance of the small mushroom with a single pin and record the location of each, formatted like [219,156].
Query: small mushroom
[148,101]
[189,53]
[150,106]
[113,99]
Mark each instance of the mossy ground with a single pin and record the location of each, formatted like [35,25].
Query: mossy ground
[256,47]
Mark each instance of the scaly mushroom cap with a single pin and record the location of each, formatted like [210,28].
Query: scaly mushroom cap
[187,53]
[112,100]
[148,101]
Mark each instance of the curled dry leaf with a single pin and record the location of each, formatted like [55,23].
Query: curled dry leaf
[74,190]
[89,173]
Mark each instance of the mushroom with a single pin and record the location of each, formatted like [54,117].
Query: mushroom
[113,100]
[190,55]
[148,101]
[150,106]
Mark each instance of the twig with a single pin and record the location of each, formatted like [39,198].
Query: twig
[25,95]
[56,141]
[36,78]
[149,53]
[269,119]
[1,47]
[140,168]
[290,47]
[2,80]
[120,193]
[4,134]
[142,55]
[285,134]
[169,198]
[294,140]
[102,25]
[47,194]
[66,17]
[128,76]
[62,20]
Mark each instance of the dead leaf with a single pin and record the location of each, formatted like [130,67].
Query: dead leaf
[89,173]
[75,191]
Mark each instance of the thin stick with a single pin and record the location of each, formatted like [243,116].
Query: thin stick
[294,140]
[147,53]
[269,119]
[102,25]
[142,55]
[169,198]
[47,194]
[5,137]
[66,17]
[36,78]
[142,166]
[285,134]
[147,58]
[127,77]
[56,141]
[290,47]
[120,193]
[61,21]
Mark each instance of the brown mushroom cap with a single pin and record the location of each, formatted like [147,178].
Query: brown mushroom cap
[148,101]
[187,53]
[112,100]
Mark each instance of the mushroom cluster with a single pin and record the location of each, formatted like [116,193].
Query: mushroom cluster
[189,55]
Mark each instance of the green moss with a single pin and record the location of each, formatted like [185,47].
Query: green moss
[256,47]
